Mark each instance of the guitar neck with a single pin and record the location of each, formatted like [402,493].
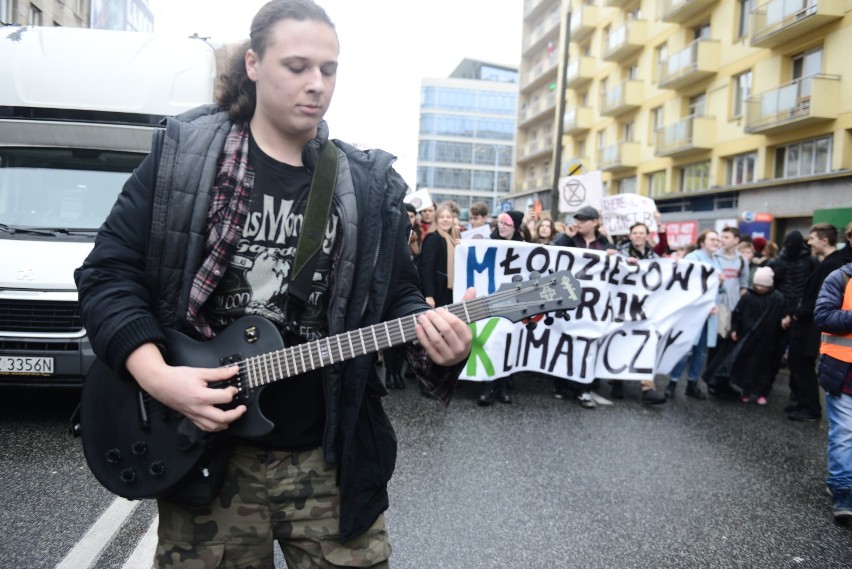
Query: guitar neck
[302,358]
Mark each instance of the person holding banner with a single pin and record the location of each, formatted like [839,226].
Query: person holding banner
[437,258]
[635,248]
[584,234]
[707,244]
[508,229]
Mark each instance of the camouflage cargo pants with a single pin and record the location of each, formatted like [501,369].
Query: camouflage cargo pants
[268,496]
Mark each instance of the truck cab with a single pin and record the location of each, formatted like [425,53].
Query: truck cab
[77,111]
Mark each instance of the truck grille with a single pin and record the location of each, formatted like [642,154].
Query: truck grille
[46,317]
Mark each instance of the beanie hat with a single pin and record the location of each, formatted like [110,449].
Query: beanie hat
[759,244]
[764,276]
[516,218]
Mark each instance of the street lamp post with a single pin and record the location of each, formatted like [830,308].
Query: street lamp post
[496,175]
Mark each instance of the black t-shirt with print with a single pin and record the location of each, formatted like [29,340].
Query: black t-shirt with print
[257,280]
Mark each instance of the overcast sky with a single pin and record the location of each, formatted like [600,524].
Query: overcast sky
[387,47]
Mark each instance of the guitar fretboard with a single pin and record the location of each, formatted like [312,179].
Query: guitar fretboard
[302,358]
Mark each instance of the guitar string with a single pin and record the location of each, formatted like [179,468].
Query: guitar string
[467,310]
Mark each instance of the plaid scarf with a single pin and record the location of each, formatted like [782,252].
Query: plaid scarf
[230,201]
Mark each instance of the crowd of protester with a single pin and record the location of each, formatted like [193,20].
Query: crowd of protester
[763,317]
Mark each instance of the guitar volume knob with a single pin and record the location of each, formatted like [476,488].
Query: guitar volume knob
[157,468]
[139,448]
[113,456]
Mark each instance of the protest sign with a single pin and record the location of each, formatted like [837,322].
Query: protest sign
[681,234]
[623,210]
[578,191]
[483,232]
[634,320]
[419,199]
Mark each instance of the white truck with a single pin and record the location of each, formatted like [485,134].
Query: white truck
[77,110]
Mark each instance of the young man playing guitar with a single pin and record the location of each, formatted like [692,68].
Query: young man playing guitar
[206,231]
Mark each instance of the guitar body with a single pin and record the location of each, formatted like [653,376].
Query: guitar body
[138,448]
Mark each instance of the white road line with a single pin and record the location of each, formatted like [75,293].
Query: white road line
[143,556]
[86,552]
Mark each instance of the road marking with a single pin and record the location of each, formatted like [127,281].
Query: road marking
[143,556]
[87,550]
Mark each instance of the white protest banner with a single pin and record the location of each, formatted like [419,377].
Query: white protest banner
[482,232]
[578,191]
[419,199]
[634,319]
[623,210]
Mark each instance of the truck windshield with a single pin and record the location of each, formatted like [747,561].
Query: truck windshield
[62,188]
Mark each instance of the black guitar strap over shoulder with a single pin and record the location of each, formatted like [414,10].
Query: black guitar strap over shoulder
[313,229]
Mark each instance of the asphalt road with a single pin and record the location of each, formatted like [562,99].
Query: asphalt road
[540,483]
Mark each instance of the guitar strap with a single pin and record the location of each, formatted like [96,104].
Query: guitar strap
[313,230]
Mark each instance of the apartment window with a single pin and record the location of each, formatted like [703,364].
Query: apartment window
[657,183]
[601,140]
[742,91]
[661,54]
[803,158]
[631,73]
[36,16]
[697,104]
[805,65]
[586,49]
[746,6]
[627,185]
[695,177]
[627,131]
[581,149]
[635,14]
[655,123]
[741,169]
[701,32]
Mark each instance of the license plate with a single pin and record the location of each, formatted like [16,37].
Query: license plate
[26,365]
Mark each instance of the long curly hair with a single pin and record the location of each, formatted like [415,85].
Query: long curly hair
[234,90]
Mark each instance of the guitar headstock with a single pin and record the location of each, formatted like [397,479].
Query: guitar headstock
[518,300]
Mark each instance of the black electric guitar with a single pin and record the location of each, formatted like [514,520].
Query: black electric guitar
[138,448]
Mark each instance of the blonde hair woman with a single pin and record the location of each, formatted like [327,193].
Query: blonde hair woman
[437,255]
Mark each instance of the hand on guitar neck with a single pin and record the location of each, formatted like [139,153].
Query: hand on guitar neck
[445,337]
[185,389]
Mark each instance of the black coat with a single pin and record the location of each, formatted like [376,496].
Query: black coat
[433,270]
[804,333]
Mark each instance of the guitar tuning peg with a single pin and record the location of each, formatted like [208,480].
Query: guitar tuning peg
[531,325]
[549,320]
[517,278]
[535,275]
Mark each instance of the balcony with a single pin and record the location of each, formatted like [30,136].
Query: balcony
[580,71]
[690,135]
[626,41]
[616,3]
[679,11]
[539,108]
[536,148]
[619,156]
[548,29]
[625,97]
[584,22]
[809,100]
[539,74]
[539,183]
[577,121]
[779,21]
[533,7]
[698,60]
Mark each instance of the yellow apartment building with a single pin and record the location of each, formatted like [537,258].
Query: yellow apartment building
[711,107]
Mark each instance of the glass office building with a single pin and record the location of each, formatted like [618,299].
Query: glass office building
[467,134]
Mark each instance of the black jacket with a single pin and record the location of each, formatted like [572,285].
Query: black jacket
[804,333]
[433,270]
[138,278]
